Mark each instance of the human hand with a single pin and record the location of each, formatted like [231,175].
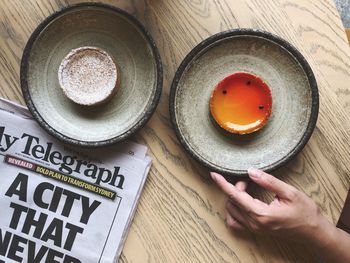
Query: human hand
[291,214]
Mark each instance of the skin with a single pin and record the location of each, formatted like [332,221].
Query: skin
[291,214]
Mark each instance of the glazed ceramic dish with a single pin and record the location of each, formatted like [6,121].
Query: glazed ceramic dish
[293,89]
[122,37]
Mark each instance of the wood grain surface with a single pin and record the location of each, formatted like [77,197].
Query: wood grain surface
[180,217]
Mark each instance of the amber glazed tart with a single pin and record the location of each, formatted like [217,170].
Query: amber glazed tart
[261,93]
[241,103]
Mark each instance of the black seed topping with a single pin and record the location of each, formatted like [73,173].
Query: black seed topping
[224,91]
[261,107]
[249,82]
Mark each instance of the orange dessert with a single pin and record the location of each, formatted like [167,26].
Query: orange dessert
[241,103]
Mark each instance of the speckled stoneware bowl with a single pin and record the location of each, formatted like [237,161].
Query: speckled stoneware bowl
[121,36]
[294,95]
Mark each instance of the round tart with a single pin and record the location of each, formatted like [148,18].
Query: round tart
[241,103]
[88,76]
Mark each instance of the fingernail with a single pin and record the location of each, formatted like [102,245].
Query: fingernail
[229,219]
[255,173]
[213,176]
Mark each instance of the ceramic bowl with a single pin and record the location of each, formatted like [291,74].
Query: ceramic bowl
[121,36]
[294,95]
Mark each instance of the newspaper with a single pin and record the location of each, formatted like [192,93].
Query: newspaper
[60,203]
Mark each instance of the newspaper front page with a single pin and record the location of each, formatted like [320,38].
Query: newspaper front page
[60,203]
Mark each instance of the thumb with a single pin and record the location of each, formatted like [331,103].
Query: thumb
[271,183]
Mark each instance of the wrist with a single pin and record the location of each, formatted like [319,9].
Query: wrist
[332,243]
[324,234]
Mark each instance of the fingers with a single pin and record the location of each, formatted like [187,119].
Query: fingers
[235,212]
[240,198]
[271,183]
[233,223]
[241,185]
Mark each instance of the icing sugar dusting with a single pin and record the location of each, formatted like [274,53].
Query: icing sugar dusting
[88,76]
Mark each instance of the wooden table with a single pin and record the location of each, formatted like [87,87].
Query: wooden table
[181,214]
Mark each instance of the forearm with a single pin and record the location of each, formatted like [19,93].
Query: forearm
[332,243]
